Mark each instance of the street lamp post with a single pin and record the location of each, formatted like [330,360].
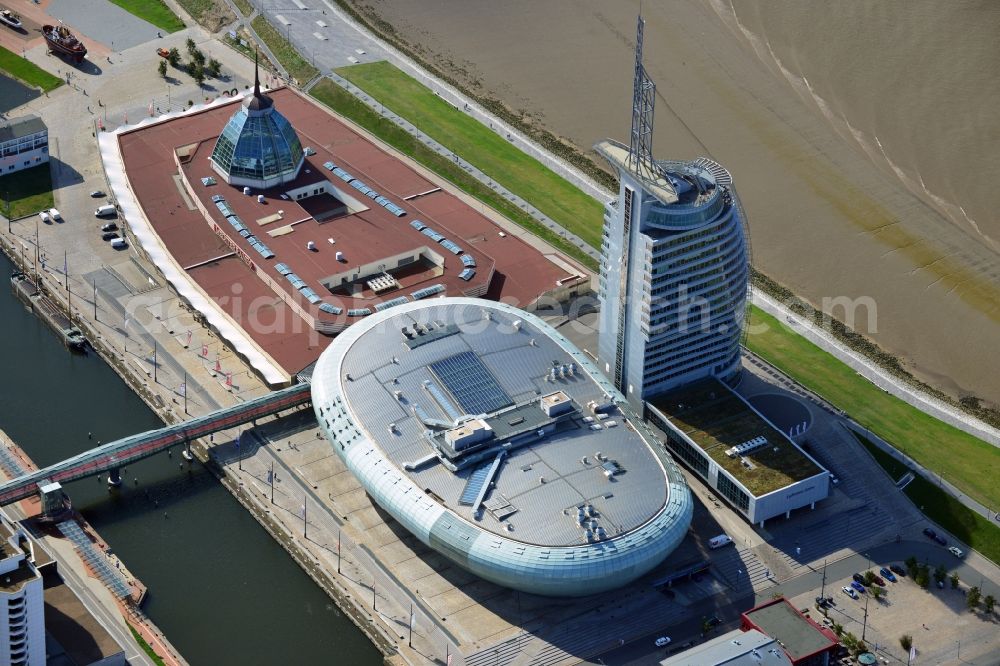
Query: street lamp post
[864,628]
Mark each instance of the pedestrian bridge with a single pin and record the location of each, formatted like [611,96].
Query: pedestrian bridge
[115,455]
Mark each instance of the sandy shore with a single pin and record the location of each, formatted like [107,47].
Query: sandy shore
[825,220]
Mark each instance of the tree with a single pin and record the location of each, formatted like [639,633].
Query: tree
[174,57]
[954,581]
[989,602]
[972,598]
[198,58]
[906,642]
[940,573]
[838,629]
[922,578]
[869,578]
[911,565]
[191,46]
[162,68]
[213,68]
[197,73]
[877,592]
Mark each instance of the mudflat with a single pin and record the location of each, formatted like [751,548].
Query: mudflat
[828,218]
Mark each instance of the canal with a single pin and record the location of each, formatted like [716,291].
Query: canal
[219,587]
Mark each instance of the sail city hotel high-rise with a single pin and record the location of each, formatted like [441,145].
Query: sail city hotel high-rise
[675,264]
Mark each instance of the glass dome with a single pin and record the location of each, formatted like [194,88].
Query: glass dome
[258,147]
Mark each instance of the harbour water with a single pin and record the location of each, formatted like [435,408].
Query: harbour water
[219,587]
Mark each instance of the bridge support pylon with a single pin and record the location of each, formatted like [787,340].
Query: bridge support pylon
[115,477]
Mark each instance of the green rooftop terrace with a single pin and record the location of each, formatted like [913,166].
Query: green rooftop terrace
[716,419]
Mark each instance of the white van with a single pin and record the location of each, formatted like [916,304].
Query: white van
[720,541]
[54,214]
[105,210]
[45,216]
[119,243]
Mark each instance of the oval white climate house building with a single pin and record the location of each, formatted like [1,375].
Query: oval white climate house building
[497,443]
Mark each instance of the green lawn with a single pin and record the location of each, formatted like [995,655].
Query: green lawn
[26,71]
[350,107]
[972,528]
[210,14]
[29,191]
[489,151]
[969,463]
[153,11]
[298,68]
[244,6]
[146,647]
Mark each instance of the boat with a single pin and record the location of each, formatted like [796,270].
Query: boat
[8,17]
[64,42]
[28,293]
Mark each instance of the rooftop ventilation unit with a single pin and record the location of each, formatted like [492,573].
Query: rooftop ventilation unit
[747,446]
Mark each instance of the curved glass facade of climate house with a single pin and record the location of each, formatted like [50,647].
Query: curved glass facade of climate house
[364,379]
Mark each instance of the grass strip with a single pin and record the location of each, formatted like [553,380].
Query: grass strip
[28,191]
[489,151]
[146,647]
[27,72]
[152,11]
[350,107]
[298,68]
[969,463]
[972,528]
[244,6]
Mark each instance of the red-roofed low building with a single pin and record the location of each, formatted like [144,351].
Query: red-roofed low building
[804,641]
[349,229]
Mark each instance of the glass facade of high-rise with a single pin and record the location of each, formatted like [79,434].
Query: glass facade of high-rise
[674,277]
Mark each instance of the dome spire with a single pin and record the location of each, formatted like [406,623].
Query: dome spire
[258,101]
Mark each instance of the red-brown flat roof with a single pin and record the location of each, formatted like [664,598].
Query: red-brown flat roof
[521,273]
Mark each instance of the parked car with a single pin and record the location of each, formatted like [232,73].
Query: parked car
[931,534]
[898,570]
[109,235]
[663,641]
[97,194]
[887,574]
[957,552]
[849,591]
[119,243]
[55,214]
[46,218]
[858,578]
[858,586]
[110,226]
[879,581]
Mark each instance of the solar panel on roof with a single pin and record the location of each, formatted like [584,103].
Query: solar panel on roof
[282,268]
[359,312]
[418,225]
[385,305]
[244,233]
[329,166]
[357,184]
[216,198]
[467,274]
[382,201]
[468,261]
[427,291]
[332,309]
[471,384]
[399,213]
[451,247]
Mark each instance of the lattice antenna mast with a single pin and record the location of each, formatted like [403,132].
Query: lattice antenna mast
[643,96]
